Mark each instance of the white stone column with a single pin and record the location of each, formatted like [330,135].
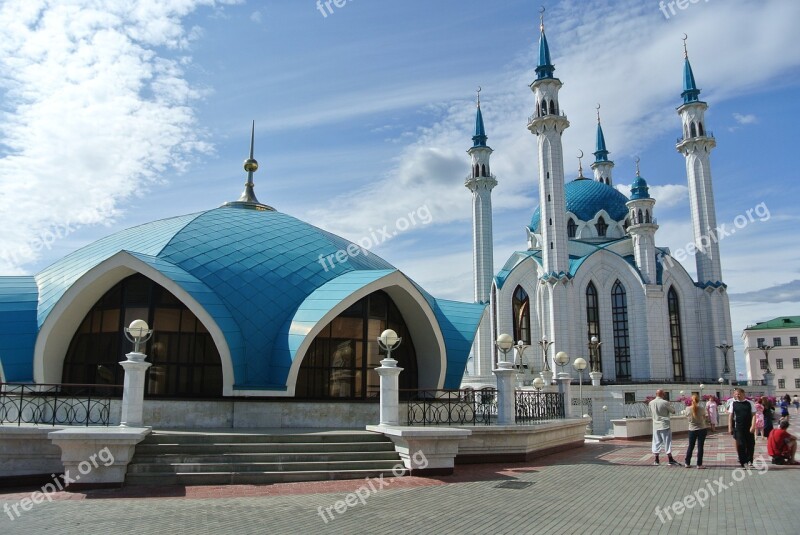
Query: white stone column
[596,376]
[564,386]
[390,402]
[506,402]
[133,390]
[547,377]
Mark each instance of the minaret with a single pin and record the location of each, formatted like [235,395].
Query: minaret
[696,145]
[602,166]
[481,182]
[549,123]
[248,197]
[643,227]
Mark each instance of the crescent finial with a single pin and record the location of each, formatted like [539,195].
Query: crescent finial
[581,154]
[685,50]
[637,160]
[598,113]
[580,164]
[541,18]
[479,96]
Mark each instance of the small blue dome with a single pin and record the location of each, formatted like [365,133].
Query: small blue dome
[639,189]
[585,198]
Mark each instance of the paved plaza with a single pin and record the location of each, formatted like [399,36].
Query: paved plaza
[607,487]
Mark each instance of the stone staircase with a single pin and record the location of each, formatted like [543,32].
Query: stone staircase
[248,457]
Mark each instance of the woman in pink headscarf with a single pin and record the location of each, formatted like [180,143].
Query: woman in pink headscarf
[711,411]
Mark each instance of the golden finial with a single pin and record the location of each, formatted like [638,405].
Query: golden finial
[685,50]
[541,19]
[250,164]
[598,114]
[479,96]
[637,160]
[580,164]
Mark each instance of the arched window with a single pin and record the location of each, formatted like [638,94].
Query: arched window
[572,228]
[626,224]
[475,171]
[692,130]
[622,346]
[544,107]
[340,362]
[538,110]
[185,361]
[700,129]
[593,324]
[673,305]
[639,218]
[552,107]
[483,170]
[521,307]
[601,227]
[647,216]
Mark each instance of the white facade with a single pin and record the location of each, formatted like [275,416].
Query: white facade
[592,266]
[780,336]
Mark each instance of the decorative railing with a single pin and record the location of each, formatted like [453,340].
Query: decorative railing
[57,404]
[753,382]
[446,407]
[537,406]
[640,409]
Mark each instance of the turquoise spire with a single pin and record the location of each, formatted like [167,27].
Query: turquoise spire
[479,139]
[601,154]
[690,91]
[545,67]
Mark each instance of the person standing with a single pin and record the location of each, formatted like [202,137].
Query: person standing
[784,404]
[769,415]
[742,426]
[660,410]
[760,419]
[698,428]
[711,410]
[796,403]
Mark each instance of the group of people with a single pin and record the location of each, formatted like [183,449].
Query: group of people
[745,419]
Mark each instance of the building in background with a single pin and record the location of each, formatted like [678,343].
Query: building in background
[772,346]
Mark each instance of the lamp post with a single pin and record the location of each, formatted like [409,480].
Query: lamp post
[389,374]
[724,346]
[595,374]
[505,372]
[504,343]
[768,375]
[135,368]
[580,365]
[520,348]
[547,373]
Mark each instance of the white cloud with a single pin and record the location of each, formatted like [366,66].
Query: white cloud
[96,109]
[256,17]
[745,119]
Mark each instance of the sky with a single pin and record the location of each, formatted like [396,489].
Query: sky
[113,114]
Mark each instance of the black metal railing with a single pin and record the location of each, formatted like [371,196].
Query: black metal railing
[532,407]
[57,404]
[447,407]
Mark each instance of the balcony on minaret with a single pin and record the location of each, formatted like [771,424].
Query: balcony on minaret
[543,114]
[687,138]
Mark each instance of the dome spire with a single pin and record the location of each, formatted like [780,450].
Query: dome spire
[690,91]
[544,68]
[248,197]
[480,137]
[580,166]
[600,153]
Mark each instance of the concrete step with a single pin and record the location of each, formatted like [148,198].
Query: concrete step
[178,437]
[252,478]
[308,466]
[253,447]
[283,457]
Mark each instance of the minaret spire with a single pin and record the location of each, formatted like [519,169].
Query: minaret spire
[602,166]
[690,91]
[544,68]
[479,139]
[248,197]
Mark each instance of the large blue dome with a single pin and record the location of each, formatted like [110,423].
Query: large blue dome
[585,198]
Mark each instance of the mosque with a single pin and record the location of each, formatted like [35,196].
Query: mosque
[592,270]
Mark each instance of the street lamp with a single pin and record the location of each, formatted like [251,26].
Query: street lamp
[388,340]
[545,345]
[580,365]
[504,343]
[139,333]
[521,347]
[562,359]
[594,345]
[538,384]
[725,347]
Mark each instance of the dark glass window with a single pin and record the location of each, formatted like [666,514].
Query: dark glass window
[675,334]
[779,363]
[796,364]
[340,363]
[776,341]
[521,308]
[792,340]
[762,364]
[622,346]
[601,227]
[593,324]
[782,383]
[572,228]
[185,361]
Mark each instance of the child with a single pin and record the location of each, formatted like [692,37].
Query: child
[760,419]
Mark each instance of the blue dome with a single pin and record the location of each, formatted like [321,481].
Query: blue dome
[639,189]
[585,198]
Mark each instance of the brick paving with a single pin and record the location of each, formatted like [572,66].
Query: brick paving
[608,487]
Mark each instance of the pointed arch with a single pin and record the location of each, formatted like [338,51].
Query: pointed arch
[601,227]
[544,107]
[552,107]
[572,228]
[647,216]
[622,344]
[700,128]
[676,339]
[693,130]
[639,218]
[538,110]
[593,324]
[483,170]
[521,308]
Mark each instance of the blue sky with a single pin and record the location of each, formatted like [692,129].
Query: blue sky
[117,113]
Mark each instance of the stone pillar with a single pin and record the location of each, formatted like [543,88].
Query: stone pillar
[506,396]
[547,377]
[390,402]
[564,387]
[596,376]
[768,378]
[133,390]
